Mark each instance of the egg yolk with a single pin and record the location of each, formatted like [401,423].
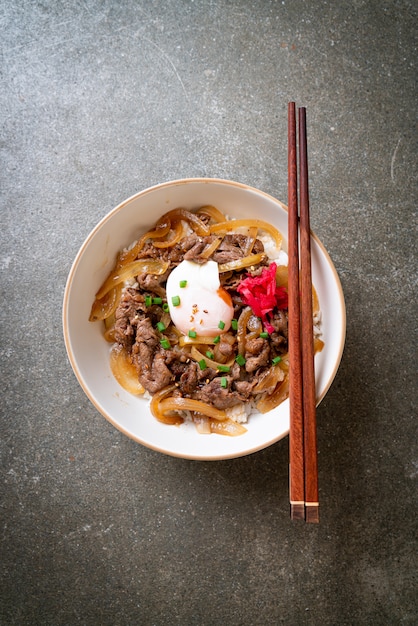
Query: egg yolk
[196,300]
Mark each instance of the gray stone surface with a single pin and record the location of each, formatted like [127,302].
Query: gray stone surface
[100,99]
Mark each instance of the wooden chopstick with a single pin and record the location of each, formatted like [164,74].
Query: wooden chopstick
[308,371]
[296,442]
[303,468]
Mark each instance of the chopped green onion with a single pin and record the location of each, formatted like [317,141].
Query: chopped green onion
[157,300]
[234,324]
[221,325]
[209,354]
[276,360]
[192,334]
[165,344]
[224,382]
[224,368]
[175,300]
[166,308]
[148,300]
[202,364]
[264,335]
[160,327]
[183,283]
[240,359]
[217,339]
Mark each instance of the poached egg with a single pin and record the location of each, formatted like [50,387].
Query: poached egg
[196,300]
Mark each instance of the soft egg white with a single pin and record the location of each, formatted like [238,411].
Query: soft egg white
[203,304]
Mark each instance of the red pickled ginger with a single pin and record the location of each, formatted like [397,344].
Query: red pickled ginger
[263,295]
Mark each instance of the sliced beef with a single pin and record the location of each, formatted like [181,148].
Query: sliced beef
[234,247]
[153,283]
[244,388]
[181,250]
[225,349]
[189,379]
[157,376]
[279,337]
[216,395]
[279,322]
[193,254]
[257,354]
[153,373]
[130,310]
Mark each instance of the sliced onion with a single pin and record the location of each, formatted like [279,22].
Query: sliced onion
[315,301]
[273,376]
[155,406]
[198,356]
[185,340]
[269,402]
[227,427]
[187,404]
[213,213]
[239,264]
[174,237]
[202,423]
[252,236]
[194,222]
[318,345]
[119,275]
[282,275]
[162,228]
[242,329]
[106,305]
[124,371]
[224,227]
[210,249]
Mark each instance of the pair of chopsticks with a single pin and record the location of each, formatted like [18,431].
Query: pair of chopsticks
[303,464]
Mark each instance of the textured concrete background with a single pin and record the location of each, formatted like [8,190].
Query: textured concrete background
[100,99]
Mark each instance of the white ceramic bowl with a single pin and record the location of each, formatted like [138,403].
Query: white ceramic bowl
[88,352]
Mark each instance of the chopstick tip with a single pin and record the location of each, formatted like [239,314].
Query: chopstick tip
[297,510]
[312,512]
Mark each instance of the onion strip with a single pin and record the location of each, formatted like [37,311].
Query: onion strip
[227,427]
[120,274]
[212,212]
[239,264]
[155,407]
[242,329]
[175,238]
[252,236]
[124,371]
[185,340]
[210,249]
[198,356]
[269,402]
[105,306]
[194,222]
[224,227]
[187,404]
[270,379]
[162,228]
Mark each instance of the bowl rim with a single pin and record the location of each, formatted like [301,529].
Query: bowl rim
[67,290]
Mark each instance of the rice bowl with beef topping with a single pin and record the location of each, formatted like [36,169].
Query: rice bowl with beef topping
[196,312]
